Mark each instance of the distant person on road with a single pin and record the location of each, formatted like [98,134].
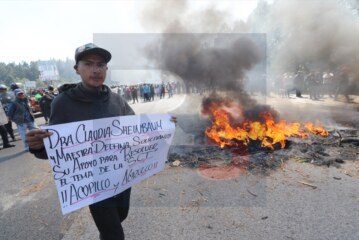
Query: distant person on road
[152,93]
[162,91]
[146,93]
[3,132]
[6,99]
[312,85]
[11,93]
[343,86]
[134,94]
[169,90]
[21,113]
[45,104]
[298,84]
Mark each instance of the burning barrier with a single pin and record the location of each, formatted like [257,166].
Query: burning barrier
[269,132]
[232,156]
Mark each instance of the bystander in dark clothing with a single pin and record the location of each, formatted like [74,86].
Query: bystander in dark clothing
[45,105]
[328,84]
[3,133]
[298,84]
[152,92]
[146,93]
[312,86]
[6,99]
[342,86]
[162,91]
[134,94]
[21,113]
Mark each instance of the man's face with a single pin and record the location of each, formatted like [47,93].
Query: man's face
[92,69]
[20,96]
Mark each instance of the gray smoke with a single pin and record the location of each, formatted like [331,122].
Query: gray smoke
[322,34]
[211,60]
[188,57]
[176,16]
[216,60]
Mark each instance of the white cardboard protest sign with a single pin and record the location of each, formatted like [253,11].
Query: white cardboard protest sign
[97,159]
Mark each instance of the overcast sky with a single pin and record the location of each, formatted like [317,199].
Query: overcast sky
[40,30]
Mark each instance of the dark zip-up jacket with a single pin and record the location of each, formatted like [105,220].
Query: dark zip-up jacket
[17,109]
[78,104]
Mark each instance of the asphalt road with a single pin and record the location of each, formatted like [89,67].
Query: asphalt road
[298,201]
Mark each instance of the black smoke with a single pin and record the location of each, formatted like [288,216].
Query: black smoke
[217,60]
[217,67]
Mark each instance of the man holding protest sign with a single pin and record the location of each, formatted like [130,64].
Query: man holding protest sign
[89,100]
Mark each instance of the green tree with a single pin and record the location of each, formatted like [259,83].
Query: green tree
[66,70]
[32,72]
[6,74]
[19,70]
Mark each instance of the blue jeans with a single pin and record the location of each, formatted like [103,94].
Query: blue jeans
[22,131]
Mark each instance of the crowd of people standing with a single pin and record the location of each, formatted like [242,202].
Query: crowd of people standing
[16,106]
[19,108]
[315,83]
[147,92]
[44,98]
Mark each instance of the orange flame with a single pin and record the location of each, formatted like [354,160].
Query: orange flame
[269,132]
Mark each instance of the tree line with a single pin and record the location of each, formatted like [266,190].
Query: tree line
[24,71]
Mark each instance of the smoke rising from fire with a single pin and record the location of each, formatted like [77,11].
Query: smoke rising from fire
[199,59]
[198,64]
[177,16]
[205,61]
[323,35]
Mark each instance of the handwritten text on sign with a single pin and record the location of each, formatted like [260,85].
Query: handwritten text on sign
[97,159]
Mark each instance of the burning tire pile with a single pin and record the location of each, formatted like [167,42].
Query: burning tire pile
[227,145]
[329,151]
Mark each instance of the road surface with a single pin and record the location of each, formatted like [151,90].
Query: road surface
[298,201]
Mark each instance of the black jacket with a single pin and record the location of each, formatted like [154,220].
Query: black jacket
[78,104]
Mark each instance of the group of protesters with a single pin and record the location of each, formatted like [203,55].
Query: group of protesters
[147,91]
[14,107]
[316,84]
[16,101]
[43,98]
[17,107]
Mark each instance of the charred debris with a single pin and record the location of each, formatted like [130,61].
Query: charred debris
[340,146]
